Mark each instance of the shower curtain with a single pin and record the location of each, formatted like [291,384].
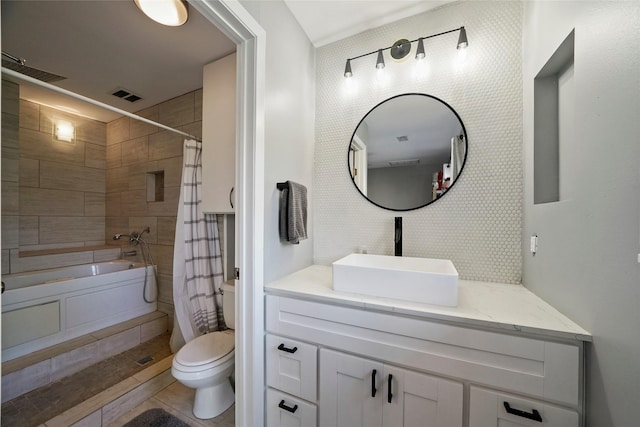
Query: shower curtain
[197,264]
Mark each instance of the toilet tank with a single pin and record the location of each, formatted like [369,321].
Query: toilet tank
[229,304]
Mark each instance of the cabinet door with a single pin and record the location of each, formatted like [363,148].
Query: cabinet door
[292,366]
[219,135]
[488,408]
[350,391]
[287,411]
[412,399]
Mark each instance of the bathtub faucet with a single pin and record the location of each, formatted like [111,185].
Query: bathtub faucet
[134,237]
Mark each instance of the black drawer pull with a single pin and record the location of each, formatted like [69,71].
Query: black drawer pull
[373,383]
[281,347]
[535,415]
[281,405]
[389,394]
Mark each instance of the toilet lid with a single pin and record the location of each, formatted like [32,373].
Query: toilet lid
[206,348]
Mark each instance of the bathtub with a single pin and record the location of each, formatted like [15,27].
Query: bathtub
[46,307]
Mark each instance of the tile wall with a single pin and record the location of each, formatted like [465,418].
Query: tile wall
[133,151]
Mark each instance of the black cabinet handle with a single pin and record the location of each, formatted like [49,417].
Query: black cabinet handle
[389,394]
[230,199]
[535,415]
[281,405]
[373,383]
[281,347]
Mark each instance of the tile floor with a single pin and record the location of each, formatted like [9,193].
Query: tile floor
[39,406]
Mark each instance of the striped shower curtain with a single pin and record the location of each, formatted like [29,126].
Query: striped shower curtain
[197,264]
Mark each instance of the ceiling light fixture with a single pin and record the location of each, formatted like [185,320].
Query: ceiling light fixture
[420,53]
[172,13]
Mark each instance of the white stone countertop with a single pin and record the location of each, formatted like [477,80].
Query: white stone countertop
[499,306]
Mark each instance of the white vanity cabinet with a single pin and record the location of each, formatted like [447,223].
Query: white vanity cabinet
[219,135]
[360,392]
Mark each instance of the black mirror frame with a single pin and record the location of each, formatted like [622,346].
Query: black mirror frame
[464,162]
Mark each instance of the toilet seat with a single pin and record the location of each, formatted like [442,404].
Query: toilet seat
[206,349]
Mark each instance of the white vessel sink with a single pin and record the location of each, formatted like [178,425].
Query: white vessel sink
[425,280]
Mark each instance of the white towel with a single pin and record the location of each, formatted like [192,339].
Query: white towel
[293,213]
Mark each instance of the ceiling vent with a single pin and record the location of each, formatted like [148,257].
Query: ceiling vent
[403,138]
[32,72]
[126,94]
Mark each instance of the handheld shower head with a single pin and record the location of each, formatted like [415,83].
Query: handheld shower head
[117,236]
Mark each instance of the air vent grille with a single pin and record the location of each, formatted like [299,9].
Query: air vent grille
[32,72]
[407,162]
[403,138]
[126,94]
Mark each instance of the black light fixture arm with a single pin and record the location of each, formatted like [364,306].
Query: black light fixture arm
[410,41]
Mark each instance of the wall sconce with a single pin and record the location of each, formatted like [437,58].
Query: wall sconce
[402,47]
[64,131]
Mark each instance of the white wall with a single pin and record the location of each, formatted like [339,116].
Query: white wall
[586,265]
[289,126]
[478,223]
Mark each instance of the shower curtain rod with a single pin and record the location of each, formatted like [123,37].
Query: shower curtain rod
[37,82]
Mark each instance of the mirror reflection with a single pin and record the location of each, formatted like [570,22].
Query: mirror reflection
[407,151]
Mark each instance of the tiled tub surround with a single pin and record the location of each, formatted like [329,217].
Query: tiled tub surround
[47,307]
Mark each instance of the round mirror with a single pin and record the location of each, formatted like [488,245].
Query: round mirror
[407,151]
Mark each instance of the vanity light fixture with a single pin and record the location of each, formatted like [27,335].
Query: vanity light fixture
[64,131]
[172,13]
[420,53]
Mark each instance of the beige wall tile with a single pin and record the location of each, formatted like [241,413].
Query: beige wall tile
[166,230]
[41,201]
[91,131]
[198,105]
[10,97]
[138,174]
[117,179]
[194,129]
[137,223]
[165,287]
[94,204]
[177,111]
[29,115]
[134,203]
[10,198]
[70,177]
[10,164]
[70,362]
[138,128]
[115,225]
[106,255]
[17,383]
[135,150]
[169,207]
[29,172]
[114,155]
[10,131]
[6,264]
[118,343]
[163,256]
[60,229]
[95,156]
[29,228]
[113,204]
[40,145]
[165,144]
[118,130]
[172,171]
[20,264]
[10,231]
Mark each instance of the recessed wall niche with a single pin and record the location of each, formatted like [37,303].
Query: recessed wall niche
[155,186]
[553,121]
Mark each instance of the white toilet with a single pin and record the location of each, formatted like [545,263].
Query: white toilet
[207,362]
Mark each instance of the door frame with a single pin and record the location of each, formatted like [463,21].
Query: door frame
[235,22]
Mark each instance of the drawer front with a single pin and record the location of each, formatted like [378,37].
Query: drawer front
[292,366]
[542,369]
[489,408]
[287,411]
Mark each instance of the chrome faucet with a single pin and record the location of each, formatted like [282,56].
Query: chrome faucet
[398,236]
[134,237]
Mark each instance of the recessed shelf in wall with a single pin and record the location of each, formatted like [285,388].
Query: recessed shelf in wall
[155,186]
[553,120]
